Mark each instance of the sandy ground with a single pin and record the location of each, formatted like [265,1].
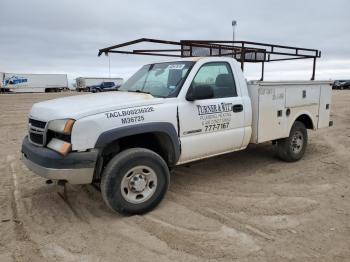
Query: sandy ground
[246,205]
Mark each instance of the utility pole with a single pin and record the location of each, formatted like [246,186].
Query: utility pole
[234,24]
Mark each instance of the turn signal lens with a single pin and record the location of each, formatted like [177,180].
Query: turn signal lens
[69,126]
[59,146]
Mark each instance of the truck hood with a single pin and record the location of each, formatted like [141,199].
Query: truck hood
[80,106]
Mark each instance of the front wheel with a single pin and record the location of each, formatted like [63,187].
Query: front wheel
[292,148]
[135,181]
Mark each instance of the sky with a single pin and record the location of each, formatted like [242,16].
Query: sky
[63,36]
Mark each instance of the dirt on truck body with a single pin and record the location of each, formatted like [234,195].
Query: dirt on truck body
[244,205]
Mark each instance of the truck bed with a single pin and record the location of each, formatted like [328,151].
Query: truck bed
[276,105]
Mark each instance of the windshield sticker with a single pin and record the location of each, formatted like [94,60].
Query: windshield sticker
[128,116]
[176,66]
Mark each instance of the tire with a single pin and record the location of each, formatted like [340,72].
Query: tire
[125,176]
[292,148]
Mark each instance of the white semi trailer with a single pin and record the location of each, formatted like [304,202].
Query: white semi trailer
[1,79]
[84,83]
[15,82]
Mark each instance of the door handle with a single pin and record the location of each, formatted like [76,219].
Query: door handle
[237,108]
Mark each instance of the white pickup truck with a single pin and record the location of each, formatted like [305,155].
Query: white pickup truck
[168,114]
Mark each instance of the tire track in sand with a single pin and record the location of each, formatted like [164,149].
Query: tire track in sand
[25,246]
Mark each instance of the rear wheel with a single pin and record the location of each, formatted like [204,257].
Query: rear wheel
[292,148]
[135,181]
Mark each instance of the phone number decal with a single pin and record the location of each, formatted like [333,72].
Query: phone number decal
[216,127]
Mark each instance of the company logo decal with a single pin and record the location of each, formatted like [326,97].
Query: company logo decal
[213,109]
[214,117]
[14,80]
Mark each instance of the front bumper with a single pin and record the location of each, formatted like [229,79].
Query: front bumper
[75,168]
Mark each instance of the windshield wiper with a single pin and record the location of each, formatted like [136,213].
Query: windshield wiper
[139,91]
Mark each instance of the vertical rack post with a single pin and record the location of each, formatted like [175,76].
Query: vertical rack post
[313,69]
[262,71]
[263,67]
[182,48]
[242,57]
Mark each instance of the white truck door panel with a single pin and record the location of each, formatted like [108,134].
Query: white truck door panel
[205,133]
[216,125]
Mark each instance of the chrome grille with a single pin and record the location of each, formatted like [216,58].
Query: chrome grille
[37,123]
[37,132]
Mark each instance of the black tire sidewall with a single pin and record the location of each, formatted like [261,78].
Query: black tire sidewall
[297,126]
[284,146]
[118,167]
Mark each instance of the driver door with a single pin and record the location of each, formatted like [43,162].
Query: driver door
[214,125]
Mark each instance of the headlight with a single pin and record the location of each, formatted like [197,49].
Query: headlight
[59,146]
[62,126]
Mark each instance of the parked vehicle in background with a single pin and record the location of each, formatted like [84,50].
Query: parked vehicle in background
[87,83]
[12,82]
[341,84]
[103,87]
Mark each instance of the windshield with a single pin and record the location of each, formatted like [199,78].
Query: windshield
[159,80]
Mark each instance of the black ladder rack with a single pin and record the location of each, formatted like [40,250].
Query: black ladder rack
[242,51]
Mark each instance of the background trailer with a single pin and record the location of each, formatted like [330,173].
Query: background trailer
[14,82]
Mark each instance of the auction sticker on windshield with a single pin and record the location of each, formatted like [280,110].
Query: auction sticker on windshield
[176,66]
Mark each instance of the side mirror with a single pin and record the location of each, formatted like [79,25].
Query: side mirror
[200,92]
